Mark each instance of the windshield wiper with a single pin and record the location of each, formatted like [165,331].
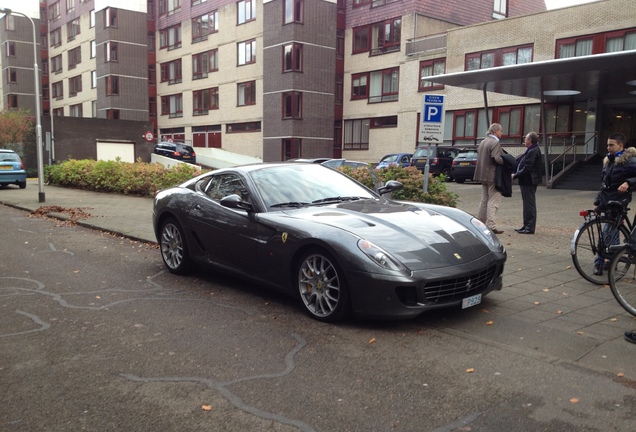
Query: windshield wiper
[291,204]
[337,199]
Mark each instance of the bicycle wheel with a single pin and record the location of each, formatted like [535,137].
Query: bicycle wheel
[587,243]
[622,278]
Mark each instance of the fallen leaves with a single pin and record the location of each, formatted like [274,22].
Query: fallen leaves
[206,407]
[574,400]
[372,340]
[470,370]
[73,214]
[490,322]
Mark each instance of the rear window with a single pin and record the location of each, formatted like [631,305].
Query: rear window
[9,157]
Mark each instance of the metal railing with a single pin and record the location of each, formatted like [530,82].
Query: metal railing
[569,151]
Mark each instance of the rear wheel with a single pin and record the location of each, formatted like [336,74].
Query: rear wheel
[622,278]
[174,250]
[22,184]
[322,287]
[460,180]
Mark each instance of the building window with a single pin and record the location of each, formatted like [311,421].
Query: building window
[384,122]
[152,75]
[340,44]
[614,41]
[93,79]
[76,110]
[73,28]
[621,41]
[294,10]
[246,52]
[91,19]
[54,11]
[152,107]
[172,105]
[94,109]
[246,10]
[204,63]
[465,124]
[74,85]
[110,51]
[197,2]
[57,90]
[356,134]
[204,25]
[170,38]
[12,101]
[58,112]
[292,105]
[151,43]
[339,92]
[357,3]
[246,93]
[428,69]
[56,37]
[9,22]
[499,57]
[10,49]
[45,67]
[171,72]
[291,148]
[500,9]
[378,38]
[93,49]
[12,76]
[511,120]
[110,17]
[359,86]
[243,127]
[56,63]
[70,5]
[74,57]
[168,7]
[293,57]
[204,100]
[112,85]
[112,114]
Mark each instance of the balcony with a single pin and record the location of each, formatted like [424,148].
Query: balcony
[425,44]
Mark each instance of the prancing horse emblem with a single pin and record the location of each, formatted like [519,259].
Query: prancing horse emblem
[284,237]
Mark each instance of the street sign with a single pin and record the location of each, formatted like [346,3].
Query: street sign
[432,119]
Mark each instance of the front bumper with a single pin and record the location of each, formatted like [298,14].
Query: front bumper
[381,296]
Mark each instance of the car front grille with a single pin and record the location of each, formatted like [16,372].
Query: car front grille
[452,290]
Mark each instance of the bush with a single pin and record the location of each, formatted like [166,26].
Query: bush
[138,179]
[144,179]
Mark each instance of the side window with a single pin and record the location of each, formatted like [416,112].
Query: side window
[227,184]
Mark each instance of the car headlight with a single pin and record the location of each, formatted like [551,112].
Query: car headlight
[485,231]
[380,257]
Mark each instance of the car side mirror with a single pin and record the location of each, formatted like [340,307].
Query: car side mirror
[390,186]
[235,202]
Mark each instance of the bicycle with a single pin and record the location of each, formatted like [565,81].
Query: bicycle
[622,277]
[597,239]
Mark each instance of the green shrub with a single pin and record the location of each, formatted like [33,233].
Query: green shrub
[145,179]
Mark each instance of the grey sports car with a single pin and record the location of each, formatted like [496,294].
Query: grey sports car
[312,232]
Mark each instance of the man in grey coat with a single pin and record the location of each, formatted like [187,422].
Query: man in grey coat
[489,155]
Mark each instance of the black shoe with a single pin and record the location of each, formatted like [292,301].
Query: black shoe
[598,269]
[630,336]
[520,229]
[525,231]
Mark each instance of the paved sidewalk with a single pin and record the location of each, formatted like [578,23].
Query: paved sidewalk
[545,309]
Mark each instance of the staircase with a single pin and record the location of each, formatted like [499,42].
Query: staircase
[584,176]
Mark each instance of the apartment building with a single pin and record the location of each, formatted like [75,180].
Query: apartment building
[280,79]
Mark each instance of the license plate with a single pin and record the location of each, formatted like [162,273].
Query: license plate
[186,157]
[471,301]
[464,163]
[6,167]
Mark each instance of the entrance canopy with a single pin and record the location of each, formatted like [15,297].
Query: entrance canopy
[606,76]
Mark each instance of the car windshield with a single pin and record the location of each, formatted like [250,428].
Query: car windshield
[423,152]
[390,158]
[298,184]
[9,157]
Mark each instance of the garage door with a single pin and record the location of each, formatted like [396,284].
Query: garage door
[111,150]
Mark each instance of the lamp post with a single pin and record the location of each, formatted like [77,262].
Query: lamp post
[38,127]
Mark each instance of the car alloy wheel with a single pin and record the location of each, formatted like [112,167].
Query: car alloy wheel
[174,251]
[322,288]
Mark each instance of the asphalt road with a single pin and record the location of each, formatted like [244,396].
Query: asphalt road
[95,335]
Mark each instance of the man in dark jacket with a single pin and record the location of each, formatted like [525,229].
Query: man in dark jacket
[529,175]
[619,176]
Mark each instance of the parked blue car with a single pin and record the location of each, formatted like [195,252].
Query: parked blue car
[11,169]
[403,159]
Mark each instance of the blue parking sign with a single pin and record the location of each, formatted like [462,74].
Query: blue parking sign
[432,119]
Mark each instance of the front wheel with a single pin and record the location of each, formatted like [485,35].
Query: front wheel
[322,287]
[174,250]
[590,246]
[622,278]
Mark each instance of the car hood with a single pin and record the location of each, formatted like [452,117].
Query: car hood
[420,239]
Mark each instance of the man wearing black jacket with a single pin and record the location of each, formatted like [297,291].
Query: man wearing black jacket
[529,175]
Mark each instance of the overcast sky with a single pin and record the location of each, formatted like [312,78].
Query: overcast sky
[555,4]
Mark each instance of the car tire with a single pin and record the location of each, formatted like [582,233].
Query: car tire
[174,249]
[22,184]
[460,180]
[322,287]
